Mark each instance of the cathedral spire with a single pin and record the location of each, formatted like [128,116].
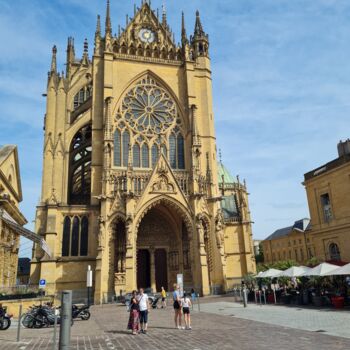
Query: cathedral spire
[85,59]
[108,27]
[98,36]
[164,20]
[98,26]
[54,60]
[184,40]
[70,56]
[200,40]
[198,29]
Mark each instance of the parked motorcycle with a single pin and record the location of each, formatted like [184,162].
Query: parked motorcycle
[5,319]
[81,312]
[41,316]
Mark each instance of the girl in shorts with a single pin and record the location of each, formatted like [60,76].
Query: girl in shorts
[186,304]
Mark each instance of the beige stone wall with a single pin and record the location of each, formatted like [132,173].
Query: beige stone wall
[10,197]
[335,182]
[295,246]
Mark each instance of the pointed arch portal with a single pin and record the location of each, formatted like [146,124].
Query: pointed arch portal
[162,248]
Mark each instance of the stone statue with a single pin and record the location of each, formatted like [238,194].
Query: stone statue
[200,230]
[101,222]
[219,229]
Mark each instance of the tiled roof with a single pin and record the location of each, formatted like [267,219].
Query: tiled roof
[302,225]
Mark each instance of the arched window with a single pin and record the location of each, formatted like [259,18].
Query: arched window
[75,240]
[66,236]
[177,150]
[75,237]
[145,156]
[154,155]
[172,150]
[117,148]
[136,156]
[83,95]
[84,236]
[180,152]
[334,252]
[80,167]
[125,151]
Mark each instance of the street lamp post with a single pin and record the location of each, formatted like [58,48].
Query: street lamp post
[88,283]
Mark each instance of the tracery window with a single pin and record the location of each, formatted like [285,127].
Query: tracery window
[80,167]
[148,123]
[83,95]
[75,236]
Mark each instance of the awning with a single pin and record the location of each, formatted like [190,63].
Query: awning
[5,217]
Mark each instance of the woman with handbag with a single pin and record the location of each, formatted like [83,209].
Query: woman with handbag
[134,318]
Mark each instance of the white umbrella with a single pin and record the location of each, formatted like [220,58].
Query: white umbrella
[259,274]
[270,273]
[344,270]
[294,271]
[321,270]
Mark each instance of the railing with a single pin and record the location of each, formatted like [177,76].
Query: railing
[182,178]
[139,180]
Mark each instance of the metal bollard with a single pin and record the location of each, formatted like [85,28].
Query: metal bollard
[245,297]
[260,296]
[19,324]
[66,319]
[199,306]
[256,299]
[264,296]
[54,329]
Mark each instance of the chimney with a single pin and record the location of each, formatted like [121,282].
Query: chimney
[343,148]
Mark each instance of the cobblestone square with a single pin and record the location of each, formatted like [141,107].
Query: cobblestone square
[221,324]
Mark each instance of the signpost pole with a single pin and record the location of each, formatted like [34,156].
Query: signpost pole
[88,283]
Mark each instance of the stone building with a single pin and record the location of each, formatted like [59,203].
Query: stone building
[131,183]
[328,195]
[10,216]
[289,243]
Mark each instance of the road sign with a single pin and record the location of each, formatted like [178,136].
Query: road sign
[42,283]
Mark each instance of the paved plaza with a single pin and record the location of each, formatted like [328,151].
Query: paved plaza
[221,324]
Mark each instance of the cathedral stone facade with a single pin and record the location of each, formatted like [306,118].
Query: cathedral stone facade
[131,181]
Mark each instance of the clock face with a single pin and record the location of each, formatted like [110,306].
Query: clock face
[146,35]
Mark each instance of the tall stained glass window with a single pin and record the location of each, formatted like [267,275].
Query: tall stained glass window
[117,148]
[126,142]
[136,156]
[145,156]
[180,152]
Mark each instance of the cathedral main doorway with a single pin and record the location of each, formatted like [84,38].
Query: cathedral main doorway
[160,248]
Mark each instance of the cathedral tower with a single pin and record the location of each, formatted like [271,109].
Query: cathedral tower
[131,181]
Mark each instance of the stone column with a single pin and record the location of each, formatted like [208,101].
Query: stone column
[153,270]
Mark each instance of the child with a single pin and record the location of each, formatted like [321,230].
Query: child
[186,304]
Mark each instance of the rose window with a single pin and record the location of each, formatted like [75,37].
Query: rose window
[148,109]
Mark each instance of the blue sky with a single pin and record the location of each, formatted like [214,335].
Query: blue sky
[281,85]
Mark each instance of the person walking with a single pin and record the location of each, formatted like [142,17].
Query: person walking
[186,304]
[163,293]
[177,307]
[144,307]
[134,318]
[193,296]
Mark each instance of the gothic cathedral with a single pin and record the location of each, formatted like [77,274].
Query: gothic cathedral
[131,181]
